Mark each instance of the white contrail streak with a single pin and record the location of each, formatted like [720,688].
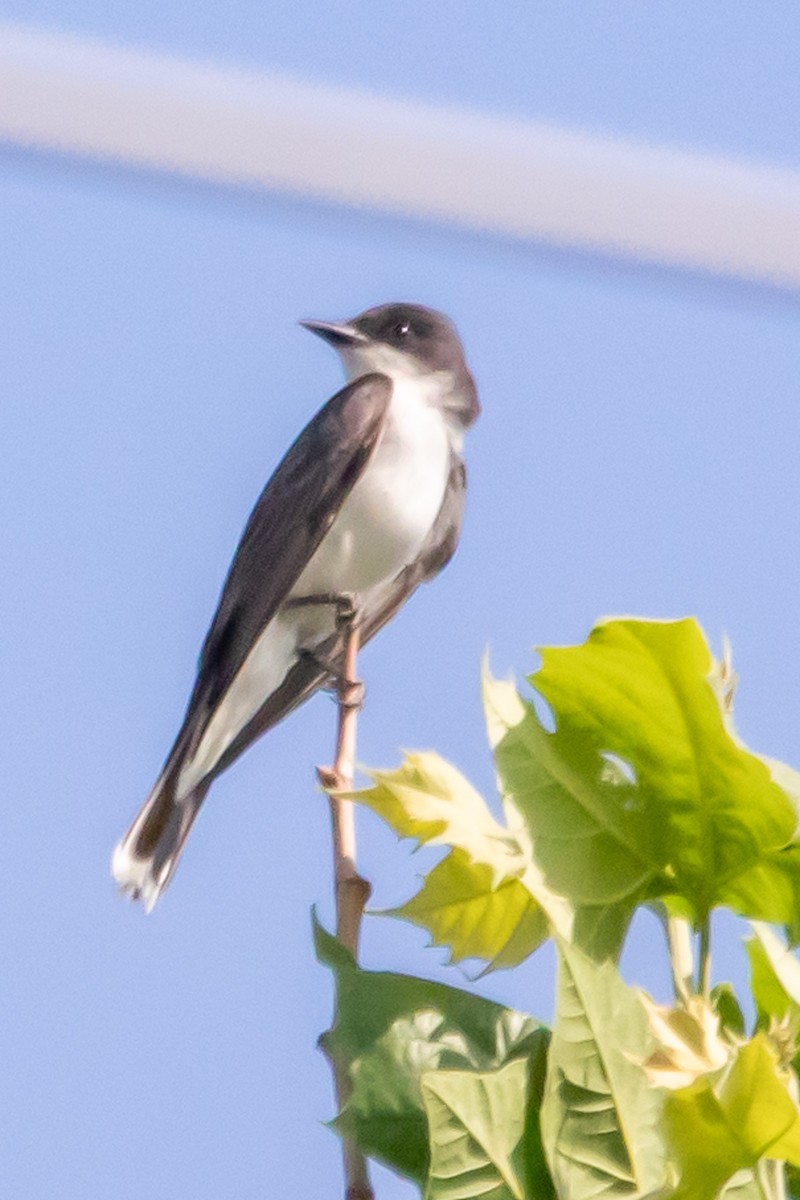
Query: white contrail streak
[518,178]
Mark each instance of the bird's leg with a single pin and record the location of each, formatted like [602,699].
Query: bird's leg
[350,689]
[349,692]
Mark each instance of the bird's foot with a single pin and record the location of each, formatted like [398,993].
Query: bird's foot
[350,693]
[343,602]
[346,612]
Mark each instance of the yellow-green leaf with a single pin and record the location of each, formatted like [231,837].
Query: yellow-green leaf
[712,1136]
[463,908]
[486,899]
[427,799]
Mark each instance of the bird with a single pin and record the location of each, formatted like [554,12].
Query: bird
[365,506]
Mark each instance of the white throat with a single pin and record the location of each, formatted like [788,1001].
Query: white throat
[407,374]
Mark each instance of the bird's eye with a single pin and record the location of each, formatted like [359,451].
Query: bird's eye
[402,329]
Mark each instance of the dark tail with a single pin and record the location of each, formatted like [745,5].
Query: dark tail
[145,859]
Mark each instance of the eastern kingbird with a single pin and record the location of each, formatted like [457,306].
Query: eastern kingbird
[366,505]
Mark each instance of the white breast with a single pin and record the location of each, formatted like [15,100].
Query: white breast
[386,518]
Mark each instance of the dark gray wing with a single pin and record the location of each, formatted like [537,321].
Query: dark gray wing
[291,516]
[380,606]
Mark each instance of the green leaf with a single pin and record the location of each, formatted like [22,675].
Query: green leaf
[486,899]
[390,1030]
[769,890]
[476,1122]
[463,908]
[774,976]
[530,1156]
[775,984]
[557,785]
[726,1004]
[711,1136]
[792,1182]
[600,1117]
[643,790]
[485,1131]
[599,929]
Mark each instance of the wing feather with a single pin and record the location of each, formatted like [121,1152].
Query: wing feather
[291,516]
[379,607]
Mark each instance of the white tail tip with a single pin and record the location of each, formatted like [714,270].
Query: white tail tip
[135,876]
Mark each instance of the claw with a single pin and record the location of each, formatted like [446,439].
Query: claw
[343,602]
[353,694]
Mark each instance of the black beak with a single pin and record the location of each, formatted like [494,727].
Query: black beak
[339,336]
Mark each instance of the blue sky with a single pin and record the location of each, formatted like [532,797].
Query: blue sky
[637,454]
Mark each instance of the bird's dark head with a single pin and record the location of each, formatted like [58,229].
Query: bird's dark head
[405,340]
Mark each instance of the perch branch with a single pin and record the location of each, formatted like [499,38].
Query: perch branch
[351,891]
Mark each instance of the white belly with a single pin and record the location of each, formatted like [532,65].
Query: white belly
[389,513]
[379,530]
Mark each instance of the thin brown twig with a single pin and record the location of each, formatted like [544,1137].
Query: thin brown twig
[351,891]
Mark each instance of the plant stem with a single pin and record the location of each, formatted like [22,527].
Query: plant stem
[770,1179]
[704,965]
[779,1177]
[681,957]
[351,891]
[761,1182]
